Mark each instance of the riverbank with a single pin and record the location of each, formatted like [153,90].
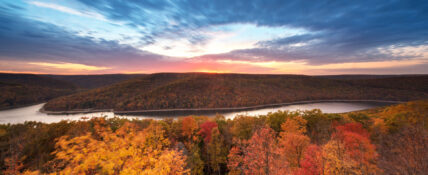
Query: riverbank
[226,109]
[20,106]
[32,113]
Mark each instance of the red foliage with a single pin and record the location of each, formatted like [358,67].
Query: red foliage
[312,163]
[351,127]
[356,140]
[235,160]
[357,146]
[206,130]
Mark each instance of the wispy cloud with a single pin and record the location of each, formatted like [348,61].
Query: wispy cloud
[68,10]
[272,36]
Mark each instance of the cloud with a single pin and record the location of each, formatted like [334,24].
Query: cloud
[68,10]
[27,40]
[340,31]
[295,39]
[334,32]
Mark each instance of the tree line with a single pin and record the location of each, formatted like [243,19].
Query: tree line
[380,141]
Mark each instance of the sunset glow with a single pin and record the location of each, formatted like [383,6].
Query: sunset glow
[69,66]
[79,37]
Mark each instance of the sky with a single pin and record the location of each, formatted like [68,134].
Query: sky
[220,36]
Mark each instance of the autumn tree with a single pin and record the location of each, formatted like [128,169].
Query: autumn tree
[14,164]
[125,151]
[244,126]
[293,140]
[205,130]
[350,151]
[194,159]
[190,128]
[319,125]
[235,161]
[217,151]
[276,119]
[260,156]
[405,151]
[312,162]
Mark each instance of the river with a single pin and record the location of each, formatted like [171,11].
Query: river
[31,113]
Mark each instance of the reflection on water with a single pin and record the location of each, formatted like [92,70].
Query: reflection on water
[31,113]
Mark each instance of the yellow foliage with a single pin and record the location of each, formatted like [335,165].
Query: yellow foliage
[292,140]
[336,159]
[380,124]
[126,151]
[294,125]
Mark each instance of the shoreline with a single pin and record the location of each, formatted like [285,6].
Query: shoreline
[20,106]
[224,109]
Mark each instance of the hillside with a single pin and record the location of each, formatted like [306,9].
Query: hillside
[93,81]
[359,76]
[413,83]
[25,89]
[200,90]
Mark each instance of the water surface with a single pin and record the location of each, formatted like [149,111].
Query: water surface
[31,113]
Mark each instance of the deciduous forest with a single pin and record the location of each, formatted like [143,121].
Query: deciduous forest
[26,89]
[387,140]
[200,90]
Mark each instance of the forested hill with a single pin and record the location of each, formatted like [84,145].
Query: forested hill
[24,89]
[202,90]
[412,83]
[94,81]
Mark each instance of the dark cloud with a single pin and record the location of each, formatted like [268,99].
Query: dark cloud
[338,31]
[344,30]
[29,40]
[288,40]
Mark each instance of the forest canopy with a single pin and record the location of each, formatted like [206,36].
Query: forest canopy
[202,90]
[385,140]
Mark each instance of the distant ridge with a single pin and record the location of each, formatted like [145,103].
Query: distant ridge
[25,89]
[19,90]
[94,81]
[204,90]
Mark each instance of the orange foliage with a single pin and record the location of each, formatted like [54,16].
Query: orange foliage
[235,161]
[126,151]
[260,156]
[350,151]
[189,126]
[292,140]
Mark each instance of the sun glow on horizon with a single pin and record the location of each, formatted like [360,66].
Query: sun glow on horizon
[70,66]
[302,66]
[212,71]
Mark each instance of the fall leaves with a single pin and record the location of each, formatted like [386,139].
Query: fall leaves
[184,91]
[125,151]
[298,143]
[348,152]
[128,150]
